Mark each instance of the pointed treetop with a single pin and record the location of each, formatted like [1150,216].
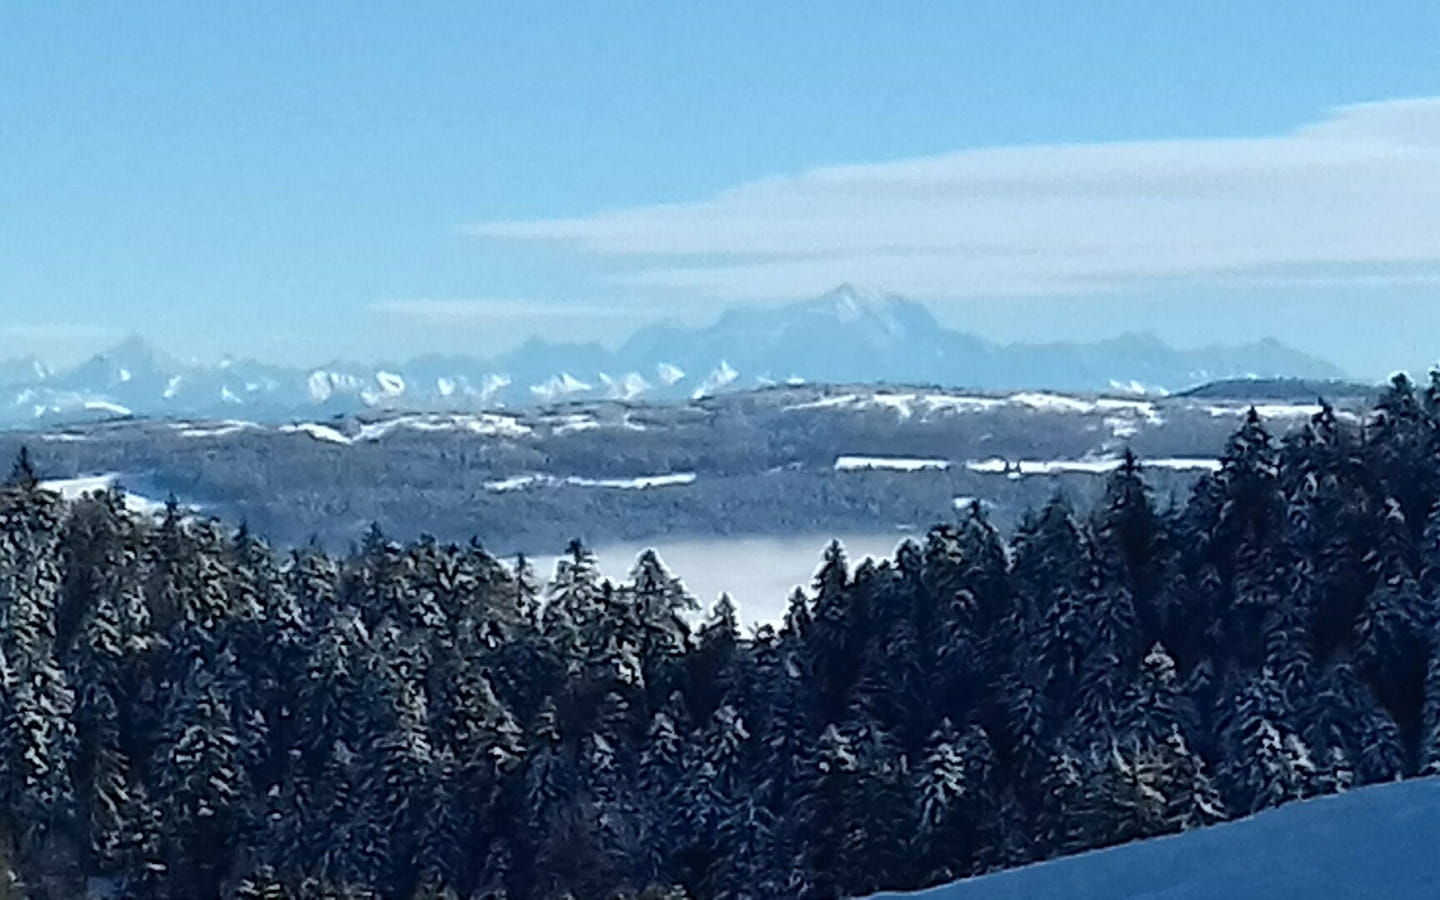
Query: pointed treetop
[22,473]
[1129,463]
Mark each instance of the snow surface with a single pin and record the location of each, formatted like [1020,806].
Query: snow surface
[1097,466]
[1124,417]
[1052,402]
[839,401]
[1375,842]
[904,405]
[642,482]
[75,488]
[575,422]
[213,430]
[1021,467]
[485,424]
[1269,411]
[317,431]
[964,503]
[891,463]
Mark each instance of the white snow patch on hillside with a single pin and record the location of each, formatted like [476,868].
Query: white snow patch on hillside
[838,401]
[1122,427]
[1122,415]
[904,405]
[172,387]
[574,422]
[959,403]
[964,503]
[1373,842]
[1122,412]
[1279,411]
[1138,408]
[483,424]
[212,430]
[641,483]
[1094,466]
[1183,464]
[1051,402]
[516,482]
[317,431]
[890,463]
[519,482]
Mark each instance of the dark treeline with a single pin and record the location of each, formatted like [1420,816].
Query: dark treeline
[184,713]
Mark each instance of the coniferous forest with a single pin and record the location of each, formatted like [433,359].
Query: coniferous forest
[187,713]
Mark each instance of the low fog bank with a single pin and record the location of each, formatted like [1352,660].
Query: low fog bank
[759,573]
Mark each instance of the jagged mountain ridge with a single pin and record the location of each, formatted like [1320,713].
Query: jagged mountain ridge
[845,336]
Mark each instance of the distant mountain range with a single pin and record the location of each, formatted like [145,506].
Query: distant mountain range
[847,335]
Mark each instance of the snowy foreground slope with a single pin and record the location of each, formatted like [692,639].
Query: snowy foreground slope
[1375,842]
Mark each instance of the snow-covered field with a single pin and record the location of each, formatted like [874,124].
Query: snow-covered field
[638,483]
[1375,843]
[887,463]
[1099,466]
[1017,468]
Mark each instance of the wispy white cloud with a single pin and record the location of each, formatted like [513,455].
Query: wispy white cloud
[1360,188]
[1346,281]
[54,331]
[431,311]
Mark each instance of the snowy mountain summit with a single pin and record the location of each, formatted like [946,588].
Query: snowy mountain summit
[847,335]
[878,310]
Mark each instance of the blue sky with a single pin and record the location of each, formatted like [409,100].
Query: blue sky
[302,181]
